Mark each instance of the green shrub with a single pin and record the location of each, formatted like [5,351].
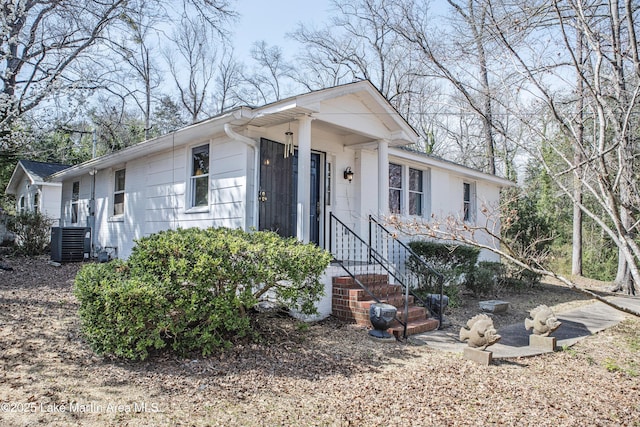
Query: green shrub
[454,262]
[120,315]
[521,278]
[33,232]
[190,290]
[486,278]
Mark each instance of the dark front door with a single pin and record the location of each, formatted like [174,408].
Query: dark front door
[278,191]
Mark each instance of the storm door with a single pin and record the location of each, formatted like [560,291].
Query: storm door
[277,195]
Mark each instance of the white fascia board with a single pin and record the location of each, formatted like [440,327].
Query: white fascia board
[286,105]
[12,186]
[48,184]
[450,166]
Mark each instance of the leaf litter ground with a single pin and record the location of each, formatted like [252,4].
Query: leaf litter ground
[327,373]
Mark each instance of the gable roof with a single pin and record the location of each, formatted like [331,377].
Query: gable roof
[335,107]
[41,170]
[36,173]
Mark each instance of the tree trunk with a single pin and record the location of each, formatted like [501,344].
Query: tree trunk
[576,259]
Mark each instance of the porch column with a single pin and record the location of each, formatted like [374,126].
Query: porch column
[304,178]
[383,177]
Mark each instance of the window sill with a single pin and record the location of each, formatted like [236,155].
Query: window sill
[197,209]
[117,218]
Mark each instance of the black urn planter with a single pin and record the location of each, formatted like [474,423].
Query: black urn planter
[437,307]
[381,316]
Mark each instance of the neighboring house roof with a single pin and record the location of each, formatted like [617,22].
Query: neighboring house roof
[36,172]
[41,170]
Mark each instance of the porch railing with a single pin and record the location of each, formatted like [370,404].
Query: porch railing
[383,253]
[414,270]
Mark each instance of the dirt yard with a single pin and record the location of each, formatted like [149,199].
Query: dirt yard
[323,374]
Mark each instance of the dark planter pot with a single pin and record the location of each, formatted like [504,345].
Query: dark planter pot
[381,316]
[434,304]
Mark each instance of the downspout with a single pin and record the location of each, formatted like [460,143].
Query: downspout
[92,212]
[253,145]
[92,202]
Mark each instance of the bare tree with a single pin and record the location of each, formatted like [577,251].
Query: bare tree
[460,55]
[136,52]
[610,88]
[360,43]
[487,234]
[228,82]
[266,81]
[40,42]
[192,63]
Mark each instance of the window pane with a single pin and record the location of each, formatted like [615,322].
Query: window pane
[120,175]
[118,204]
[200,191]
[467,202]
[395,176]
[394,201]
[200,161]
[415,203]
[75,191]
[415,180]
[74,213]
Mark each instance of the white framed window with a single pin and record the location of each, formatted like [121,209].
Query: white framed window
[395,188]
[199,180]
[118,192]
[416,192]
[469,201]
[408,190]
[21,205]
[36,202]
[75,197]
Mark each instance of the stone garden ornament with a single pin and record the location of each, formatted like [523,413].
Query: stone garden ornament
[480,332]
[543,321]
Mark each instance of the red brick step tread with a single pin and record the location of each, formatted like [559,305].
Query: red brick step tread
[351,303]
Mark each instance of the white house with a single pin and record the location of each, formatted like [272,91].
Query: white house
[285,166]
[33,192]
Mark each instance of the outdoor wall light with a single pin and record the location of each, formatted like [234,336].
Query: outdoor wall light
[348,174]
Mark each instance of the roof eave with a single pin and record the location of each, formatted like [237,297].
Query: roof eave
[454,167]
[176,138]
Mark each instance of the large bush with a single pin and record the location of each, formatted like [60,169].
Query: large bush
[190,290]
[454,262]
[32,232]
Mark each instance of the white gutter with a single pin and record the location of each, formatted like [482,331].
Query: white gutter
[256,167]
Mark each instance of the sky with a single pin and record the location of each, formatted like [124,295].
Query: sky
[271,20]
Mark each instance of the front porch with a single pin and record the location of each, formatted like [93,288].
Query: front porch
[373,271]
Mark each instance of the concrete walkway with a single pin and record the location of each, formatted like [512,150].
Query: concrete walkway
[576,324]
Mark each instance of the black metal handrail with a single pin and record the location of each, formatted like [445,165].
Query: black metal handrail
[358,259]
[397,252]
